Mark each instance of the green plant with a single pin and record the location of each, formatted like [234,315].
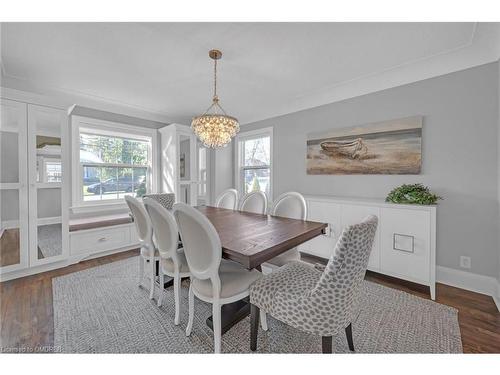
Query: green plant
[255,184]
[412,194]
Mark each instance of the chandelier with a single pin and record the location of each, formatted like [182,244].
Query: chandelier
[214,127]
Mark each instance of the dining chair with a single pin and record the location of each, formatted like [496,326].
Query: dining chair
[318,300]
[167,200]
[212,279]
[291,205]
[172,259]
[227,199]
[148,254]
[255,201]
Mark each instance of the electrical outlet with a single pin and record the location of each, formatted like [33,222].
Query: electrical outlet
[465,262]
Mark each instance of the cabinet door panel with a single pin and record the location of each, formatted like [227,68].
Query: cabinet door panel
[405,244]
[13,186]
[48,229]
[324,212]
[353,214]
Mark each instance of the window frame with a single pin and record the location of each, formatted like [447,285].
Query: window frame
[239,169]
[112,129]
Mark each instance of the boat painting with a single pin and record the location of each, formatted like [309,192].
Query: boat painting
[387,147]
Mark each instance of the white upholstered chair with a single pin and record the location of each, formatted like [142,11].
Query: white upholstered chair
[255,202]
[212,280]
[148,254]
[172,260]
[294,206]
[228,199]
[319,301]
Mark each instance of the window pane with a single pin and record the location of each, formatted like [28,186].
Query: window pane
[104,183]
[257,179]
[114,150]
[257,152]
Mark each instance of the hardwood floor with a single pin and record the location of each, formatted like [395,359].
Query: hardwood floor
[26,315]
[9,247]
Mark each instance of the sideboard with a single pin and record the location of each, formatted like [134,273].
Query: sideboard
[405,242]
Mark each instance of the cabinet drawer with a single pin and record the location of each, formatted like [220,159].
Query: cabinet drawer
[96,240]
[405,244]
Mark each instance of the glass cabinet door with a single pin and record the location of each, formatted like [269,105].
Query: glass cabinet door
[46,175]
[187,192]
[13,186]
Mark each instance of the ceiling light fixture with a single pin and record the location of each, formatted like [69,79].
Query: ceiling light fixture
[214,127]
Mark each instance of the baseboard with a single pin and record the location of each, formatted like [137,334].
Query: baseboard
[470,281]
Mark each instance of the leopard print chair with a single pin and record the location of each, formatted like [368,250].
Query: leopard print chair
[315,299]
[167,200]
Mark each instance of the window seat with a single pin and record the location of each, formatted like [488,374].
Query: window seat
[99,221]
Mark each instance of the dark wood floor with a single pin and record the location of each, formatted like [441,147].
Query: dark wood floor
[26,315]
[9,247]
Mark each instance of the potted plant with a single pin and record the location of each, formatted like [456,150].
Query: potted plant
[412,194]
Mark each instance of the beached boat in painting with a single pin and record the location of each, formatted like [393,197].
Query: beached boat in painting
[388,147]
[354,149]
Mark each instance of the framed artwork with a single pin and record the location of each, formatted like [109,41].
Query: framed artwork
[387,147]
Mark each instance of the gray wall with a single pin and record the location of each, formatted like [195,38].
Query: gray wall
[459,156]
[221,171]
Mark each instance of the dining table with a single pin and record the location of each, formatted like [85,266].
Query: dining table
[252,239]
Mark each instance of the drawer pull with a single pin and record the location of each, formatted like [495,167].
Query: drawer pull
[102,239]
[403,242]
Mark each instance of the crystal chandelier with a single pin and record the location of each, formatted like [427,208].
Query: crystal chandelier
[214,127]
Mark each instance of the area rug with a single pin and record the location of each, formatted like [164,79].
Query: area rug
[102,310]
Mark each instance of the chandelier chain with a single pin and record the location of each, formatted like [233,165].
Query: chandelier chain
[215,79]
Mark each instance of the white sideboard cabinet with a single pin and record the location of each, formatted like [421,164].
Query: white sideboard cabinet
[405,242]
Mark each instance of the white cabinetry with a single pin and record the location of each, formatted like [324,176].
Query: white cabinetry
[405,242]
[88,242]
[184,165]
[33,186]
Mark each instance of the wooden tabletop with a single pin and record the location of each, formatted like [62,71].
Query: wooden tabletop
[252,239]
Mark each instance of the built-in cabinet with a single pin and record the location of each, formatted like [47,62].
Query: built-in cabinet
[405,241]
[184,165]
[33,186]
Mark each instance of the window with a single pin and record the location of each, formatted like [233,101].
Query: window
[112,163]
[254,161]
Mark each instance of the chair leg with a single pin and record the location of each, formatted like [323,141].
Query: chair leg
[162,286]
[177,293]
[263,320]
[326,344]
[216,316]
[141,270]
[348,333]
[254,326]
[191,310]
[152,276]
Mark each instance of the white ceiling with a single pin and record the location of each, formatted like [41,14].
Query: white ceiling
[267,69]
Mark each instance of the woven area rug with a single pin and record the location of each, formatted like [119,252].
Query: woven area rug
[102,310]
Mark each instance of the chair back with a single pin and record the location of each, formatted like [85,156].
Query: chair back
[291,205]
[343,275]
[227,199]
[201,242]
[167,200]
[141,220]
[164,228]
[255,202]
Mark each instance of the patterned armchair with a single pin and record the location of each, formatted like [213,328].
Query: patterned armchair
[167,200]
[317,300]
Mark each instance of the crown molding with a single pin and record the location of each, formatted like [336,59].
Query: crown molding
[483,47]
